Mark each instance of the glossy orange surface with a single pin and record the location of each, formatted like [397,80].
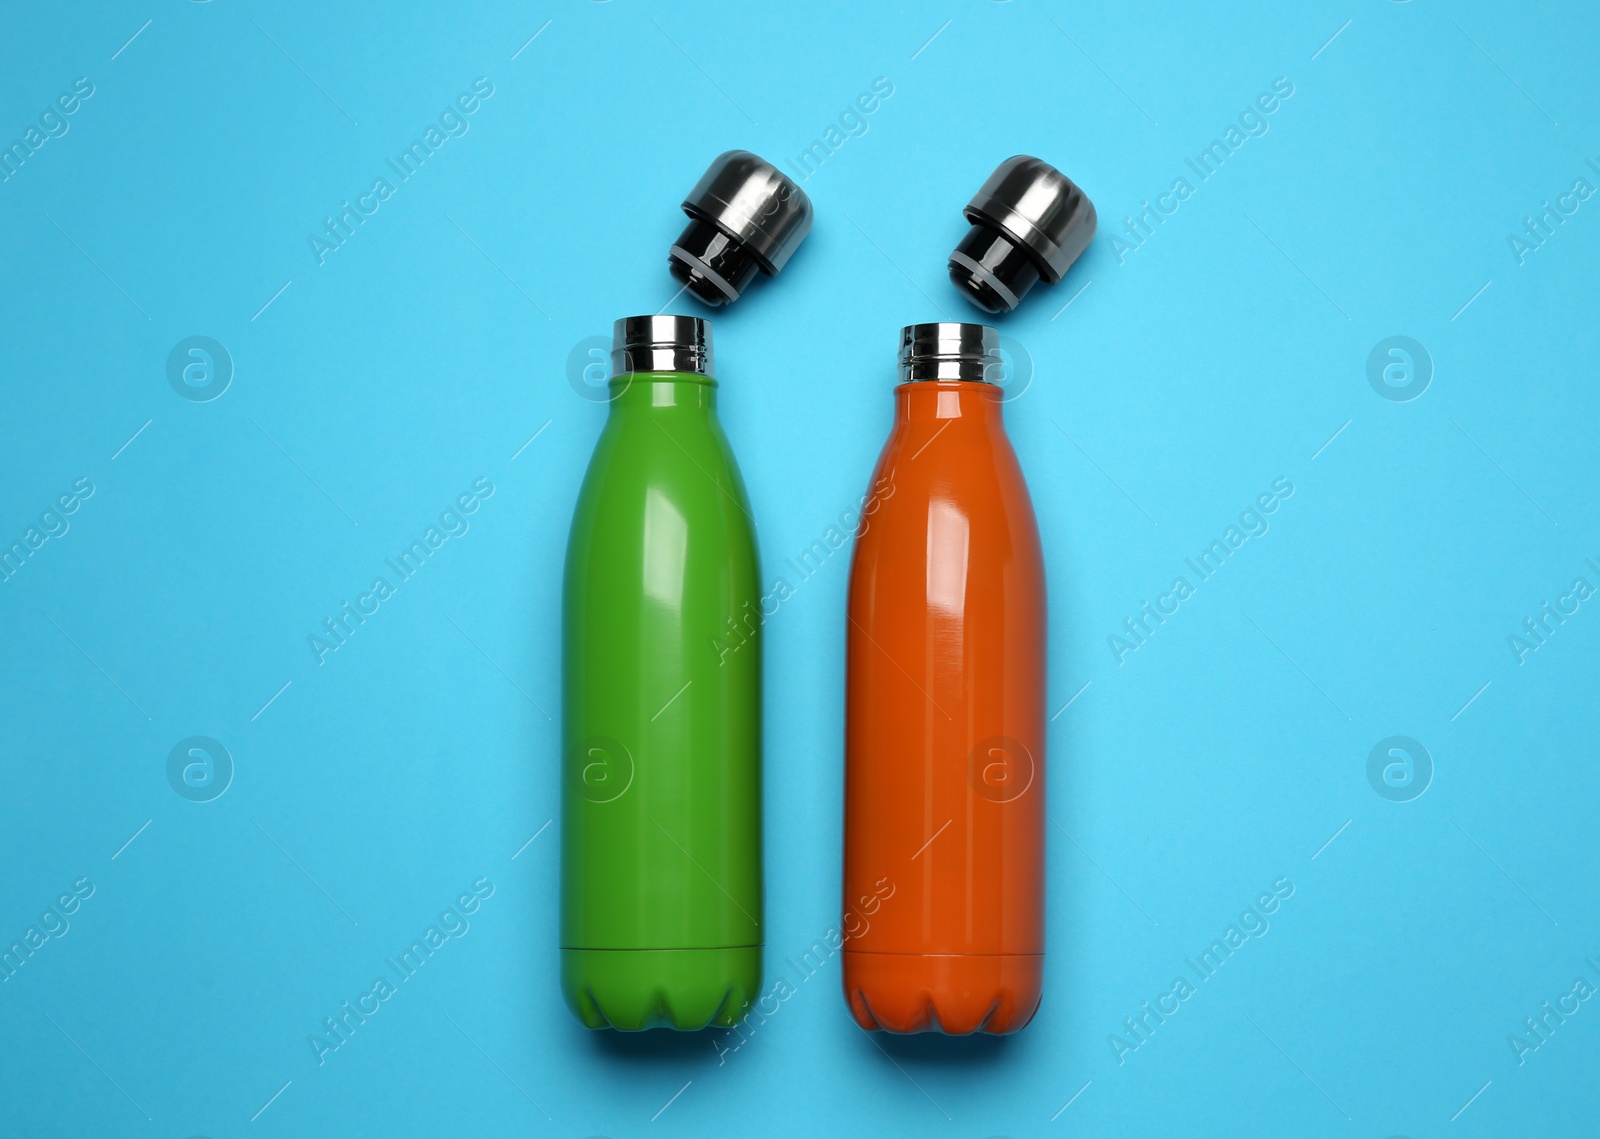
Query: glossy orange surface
[945,727]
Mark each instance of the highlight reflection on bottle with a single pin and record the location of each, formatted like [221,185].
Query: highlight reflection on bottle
[945,716]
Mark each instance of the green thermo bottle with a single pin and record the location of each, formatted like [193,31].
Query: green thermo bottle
[661,894]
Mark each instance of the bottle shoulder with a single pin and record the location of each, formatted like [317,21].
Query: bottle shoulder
[959,460]
[683,454]
[651,477]
[957,489]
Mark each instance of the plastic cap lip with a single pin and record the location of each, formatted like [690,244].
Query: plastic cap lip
[949,350]
[992,269]
[1039,207]
[755,203]
[710,264]
[661,344]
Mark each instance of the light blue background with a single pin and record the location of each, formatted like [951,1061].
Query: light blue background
[1182,380]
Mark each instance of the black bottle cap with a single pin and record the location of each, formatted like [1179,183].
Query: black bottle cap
[744,215]
[1029,220]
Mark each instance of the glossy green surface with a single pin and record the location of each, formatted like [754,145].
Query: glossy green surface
[661,772]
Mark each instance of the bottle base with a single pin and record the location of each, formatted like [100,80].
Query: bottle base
[954,994]
[685,989]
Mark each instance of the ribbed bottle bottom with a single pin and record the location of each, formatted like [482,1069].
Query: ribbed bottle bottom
[685,989]
[955,994]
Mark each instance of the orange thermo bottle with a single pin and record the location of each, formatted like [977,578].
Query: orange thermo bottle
[945,716]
